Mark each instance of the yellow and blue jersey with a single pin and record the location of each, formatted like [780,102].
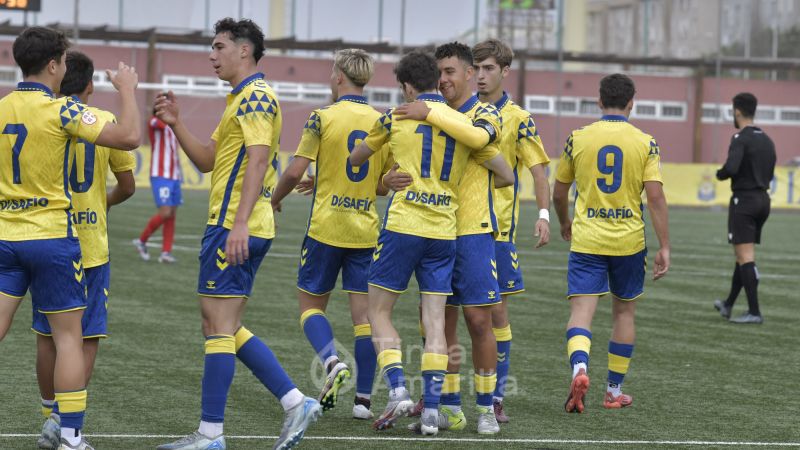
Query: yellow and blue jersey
[476,212]
[35,160]
[436,163]
[87,181]
[522,148]
[343,212]
[252,117]
[609,161]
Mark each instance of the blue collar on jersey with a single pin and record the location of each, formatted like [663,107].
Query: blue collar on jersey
[34,86]
[75,99]
[614,118]
[246,81]
[431,98]
[468,105]
[353,98]
[502,102]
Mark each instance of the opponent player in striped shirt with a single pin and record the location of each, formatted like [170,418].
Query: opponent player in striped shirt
[343,224]
[87,181]
[522,147]
[39,248]
[165,181]
[475,286]
[420,227]
[242,156]
[611,162]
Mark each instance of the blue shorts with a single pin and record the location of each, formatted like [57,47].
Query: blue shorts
[509,273]
[166,192]
[397,255]
[220,279]
[95,316]
[320,264]
[593,274]
[474,272]
[52,268]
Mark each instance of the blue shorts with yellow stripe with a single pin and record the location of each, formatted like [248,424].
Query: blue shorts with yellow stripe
[623,276]
[509,272]
[320,264]
[95,317]
[218,278]
[397,255]
[475,272]
[52,268]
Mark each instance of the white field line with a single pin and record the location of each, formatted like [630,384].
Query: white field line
[421,439]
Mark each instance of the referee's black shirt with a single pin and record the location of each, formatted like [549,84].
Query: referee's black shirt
[751,160]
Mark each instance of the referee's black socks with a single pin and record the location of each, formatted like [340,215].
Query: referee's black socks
[736,287]
[749,275]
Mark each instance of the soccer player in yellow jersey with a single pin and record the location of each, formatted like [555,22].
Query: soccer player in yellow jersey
[87,182]
[475,285]
[611,162]
[522,147]
[419,229]
[343,225]
[242,156]
[39,248]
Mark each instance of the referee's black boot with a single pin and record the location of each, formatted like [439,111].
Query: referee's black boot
[748,318]
[723,308]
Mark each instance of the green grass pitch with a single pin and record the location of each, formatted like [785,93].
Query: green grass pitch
[694,377]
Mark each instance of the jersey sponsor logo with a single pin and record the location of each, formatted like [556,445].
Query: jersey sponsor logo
[427,198]
[360,204]
[87,217]
[23,203]
[88,118]
[609,213]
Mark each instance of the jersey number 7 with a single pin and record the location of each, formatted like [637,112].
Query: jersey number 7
[22,134]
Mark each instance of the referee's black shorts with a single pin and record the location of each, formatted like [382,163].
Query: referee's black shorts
[747,213]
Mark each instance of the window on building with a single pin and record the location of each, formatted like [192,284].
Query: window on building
[589,107]
[790,115]
[766,114]
[673,111]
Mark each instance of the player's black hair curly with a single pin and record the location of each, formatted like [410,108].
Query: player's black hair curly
[746,103]
[35,47]
[457,49]
[418,68]
[80,70]
[243,29]
[616,91]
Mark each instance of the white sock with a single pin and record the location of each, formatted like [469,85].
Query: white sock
[614,389]
[292,399]
[210,429]
[431,414]
[577,367]
[455,409]
[328,362]
[496,399]
[72,435]
[397,393]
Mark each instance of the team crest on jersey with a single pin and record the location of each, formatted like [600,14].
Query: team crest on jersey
[88,118]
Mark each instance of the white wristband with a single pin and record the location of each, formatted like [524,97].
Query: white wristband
[544,214]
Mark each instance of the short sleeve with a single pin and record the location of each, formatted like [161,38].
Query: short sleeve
[565,172]
[490,114]
[380,132]
[311,138]
[79,121]
[652,168]
[530,149]
[256,117]
[486,153]
[215,134]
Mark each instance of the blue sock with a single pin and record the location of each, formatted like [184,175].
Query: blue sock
[319,333]
[619,359]
[73,408]
[262,362]
[366,359]
[579,343]
[390,362]
[434,368]
[220,364]
[503,337]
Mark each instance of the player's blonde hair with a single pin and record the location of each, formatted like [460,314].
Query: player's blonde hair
[355,64]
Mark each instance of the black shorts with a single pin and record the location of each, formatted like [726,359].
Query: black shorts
[747,213]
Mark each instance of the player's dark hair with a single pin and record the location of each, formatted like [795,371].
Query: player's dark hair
[243,29]
[80,70]
[616,91]
[418,68]
[457,49]
[746,103]
[35,47]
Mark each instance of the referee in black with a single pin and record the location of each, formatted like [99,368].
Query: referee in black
[750,166]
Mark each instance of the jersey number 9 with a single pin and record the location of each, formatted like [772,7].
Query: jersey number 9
[614,169]
[355,137]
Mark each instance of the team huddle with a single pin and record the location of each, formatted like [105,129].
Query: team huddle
[449,160]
